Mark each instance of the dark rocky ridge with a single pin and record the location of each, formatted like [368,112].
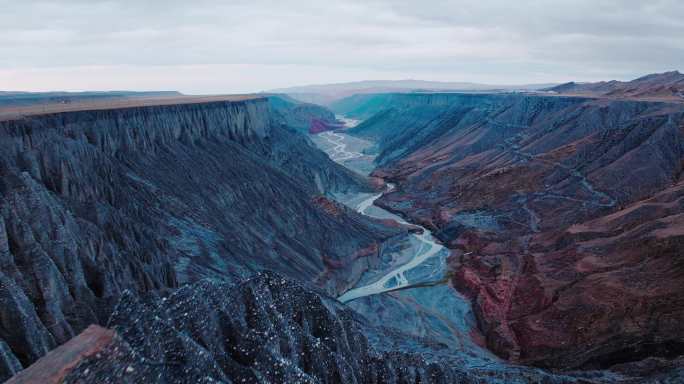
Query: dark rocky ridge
[147,198]
[272,329]
[502,179]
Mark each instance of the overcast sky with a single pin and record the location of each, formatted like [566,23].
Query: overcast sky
[213,46]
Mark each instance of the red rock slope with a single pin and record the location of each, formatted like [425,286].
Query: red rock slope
[601,292]
[564,216]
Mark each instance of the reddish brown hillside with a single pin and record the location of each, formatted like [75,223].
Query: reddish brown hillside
[659,86]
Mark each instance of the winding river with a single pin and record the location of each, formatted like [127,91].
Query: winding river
[338,151]
[396,278]
[408,289]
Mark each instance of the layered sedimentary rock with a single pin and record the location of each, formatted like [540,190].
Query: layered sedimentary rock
[598,293]
[563,214]
[147,198]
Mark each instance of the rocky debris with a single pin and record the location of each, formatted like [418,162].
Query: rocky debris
[143,199]
[546,203]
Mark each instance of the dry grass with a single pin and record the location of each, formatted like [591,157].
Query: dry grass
[18,112]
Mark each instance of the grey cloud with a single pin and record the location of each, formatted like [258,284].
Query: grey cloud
[494,41]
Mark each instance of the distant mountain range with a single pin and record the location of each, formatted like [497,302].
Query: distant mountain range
[325,94]
[667,85]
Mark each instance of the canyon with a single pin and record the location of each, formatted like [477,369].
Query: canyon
[146,199]
[413,237]
[559,213]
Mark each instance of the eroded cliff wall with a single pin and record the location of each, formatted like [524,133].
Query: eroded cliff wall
[146,199]
[563,214]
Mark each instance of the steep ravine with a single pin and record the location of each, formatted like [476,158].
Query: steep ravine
[386,293]
[145,199]
[410,293]
[223,200]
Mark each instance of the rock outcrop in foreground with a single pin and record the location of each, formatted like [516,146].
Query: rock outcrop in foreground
[266,329]
[564,215]
[60,362]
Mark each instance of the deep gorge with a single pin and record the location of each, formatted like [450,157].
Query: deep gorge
[213,239]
